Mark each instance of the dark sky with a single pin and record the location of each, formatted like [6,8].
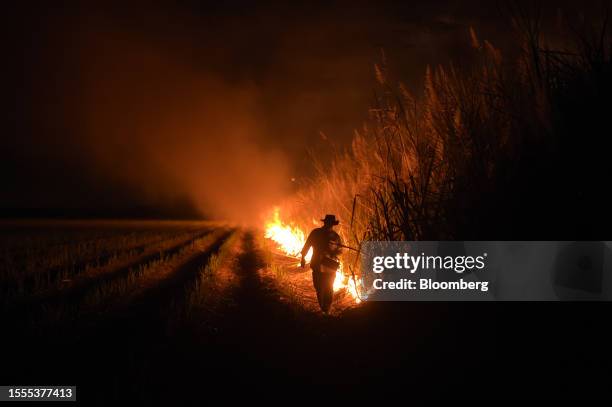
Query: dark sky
[213,104]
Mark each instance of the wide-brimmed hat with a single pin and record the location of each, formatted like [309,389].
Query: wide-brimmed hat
[330,219]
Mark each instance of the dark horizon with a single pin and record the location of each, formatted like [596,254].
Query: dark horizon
[152,212]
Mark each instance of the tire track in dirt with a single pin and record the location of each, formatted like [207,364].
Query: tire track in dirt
[257,334]
[263,346]
[271,350]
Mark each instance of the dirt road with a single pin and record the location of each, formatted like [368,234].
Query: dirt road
[251,342]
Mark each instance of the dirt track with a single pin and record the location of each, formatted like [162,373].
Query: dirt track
[253,341]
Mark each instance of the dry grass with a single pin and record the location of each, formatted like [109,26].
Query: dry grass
[214,277]
[148,274]
[53,255]
[481,153]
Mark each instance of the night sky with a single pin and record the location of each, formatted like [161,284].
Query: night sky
[210,106]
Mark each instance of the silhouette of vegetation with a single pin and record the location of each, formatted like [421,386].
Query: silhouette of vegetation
[500,148]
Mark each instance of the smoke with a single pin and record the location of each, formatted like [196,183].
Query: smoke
[206,105]
[143,116]
[182,131]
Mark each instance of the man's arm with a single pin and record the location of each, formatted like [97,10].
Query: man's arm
[305,249]
[336,245]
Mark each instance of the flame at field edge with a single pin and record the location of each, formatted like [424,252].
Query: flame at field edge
[290,240]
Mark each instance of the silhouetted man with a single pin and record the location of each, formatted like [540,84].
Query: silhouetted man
[326,246]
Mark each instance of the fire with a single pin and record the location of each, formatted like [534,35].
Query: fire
[346,282]
[290,239]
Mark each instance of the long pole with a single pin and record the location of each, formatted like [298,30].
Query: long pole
[352,267]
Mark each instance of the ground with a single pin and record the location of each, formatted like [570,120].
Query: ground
[207,311]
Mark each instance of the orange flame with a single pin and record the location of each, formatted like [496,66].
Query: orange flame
[290,239]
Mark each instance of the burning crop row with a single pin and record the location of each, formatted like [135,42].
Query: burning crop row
[290,240]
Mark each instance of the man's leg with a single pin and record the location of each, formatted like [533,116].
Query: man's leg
[328,290]
[316,281]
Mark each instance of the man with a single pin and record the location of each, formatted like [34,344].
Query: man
[326,246]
